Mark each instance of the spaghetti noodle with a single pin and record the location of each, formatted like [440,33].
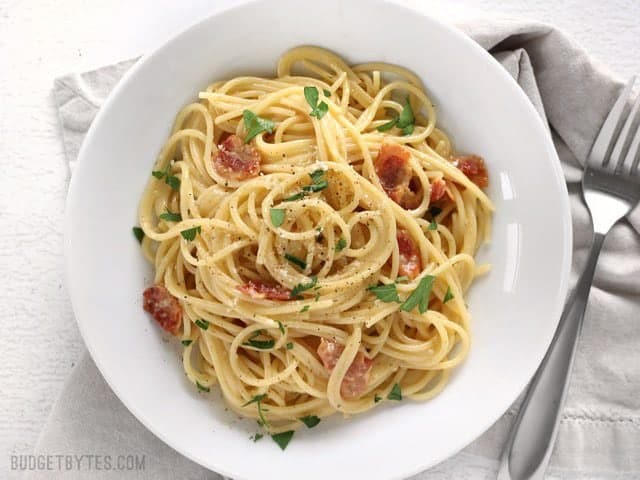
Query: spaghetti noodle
[313,236]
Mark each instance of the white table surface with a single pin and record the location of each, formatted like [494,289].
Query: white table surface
[43,39]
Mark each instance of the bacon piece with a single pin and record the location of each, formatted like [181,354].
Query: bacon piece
[258,289]
[235,160]
[392,168]
[473,167]
[164,307]
[410,262]
[355,380]
[438,190]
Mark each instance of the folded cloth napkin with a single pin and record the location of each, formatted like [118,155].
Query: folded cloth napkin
[599,433]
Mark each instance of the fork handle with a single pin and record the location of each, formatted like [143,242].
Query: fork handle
[528,449]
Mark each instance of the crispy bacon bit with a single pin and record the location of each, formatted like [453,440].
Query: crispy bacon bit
[258,289]
[235,160]
[355,380]
[392,168]
[164,307]
[473,167]
[438,190]
[410,262]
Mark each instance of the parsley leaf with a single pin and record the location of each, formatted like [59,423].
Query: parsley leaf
[277,216]
[408,130]
[280,326]
[317,175]
[406,118]
[203,324]
[283,439]
[447,296]
[310,420]
[173,182]
[255,125]
[387,126]
[319,182]
[257,399]
[202,388]
[261,344]
[305,309]
[139,233]
[317,110]
[302,287]
[342,243]
[420,296]
[386,293]
[296,196]
[186,343]
[311,95]
[327,93]
[295,260]
[190,233]
[433,225]
[171,217]
[289,346]
[395,393]
[256,437]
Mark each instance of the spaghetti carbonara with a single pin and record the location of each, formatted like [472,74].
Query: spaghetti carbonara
[313,236]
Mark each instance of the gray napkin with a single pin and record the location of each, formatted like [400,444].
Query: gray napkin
[599,433]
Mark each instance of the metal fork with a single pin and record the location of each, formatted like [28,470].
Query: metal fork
[611,188]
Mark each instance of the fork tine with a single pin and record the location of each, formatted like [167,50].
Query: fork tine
[634,149]
[598,155]
[623,165]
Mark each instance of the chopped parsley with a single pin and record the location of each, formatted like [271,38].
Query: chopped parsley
[305,309]
[171,217]
[318,177]
[310,420]
[280,326]
[283,438]
[203,324]
[319,183]
[395,393]
[387,293]
[255,125]
[318,110]
[402,279]
[433,225]
[295,260]
[405,121]
[261,344]
[190,233]
[447,296]
[139,233]
[342,243]
[201,387]
[327,93]
[290,346]
[186,343]
[303,287]
[256,437]
[377,398]
[297,196]
[257,399]
[420,296]
[171,180]
[277,216]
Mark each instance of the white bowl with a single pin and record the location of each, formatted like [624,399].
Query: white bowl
[515,308]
